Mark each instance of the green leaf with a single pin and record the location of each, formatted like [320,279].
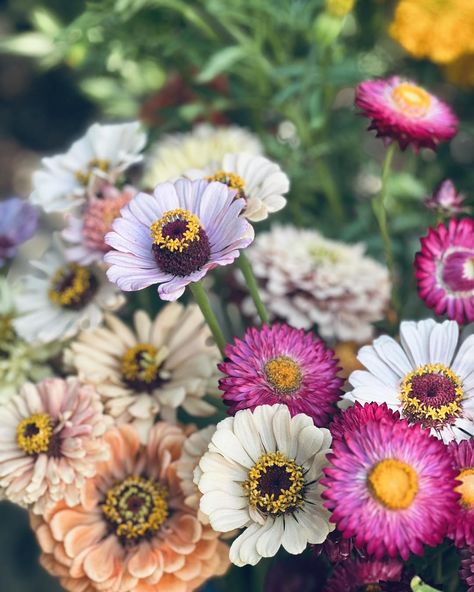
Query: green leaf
[35,45]
[46,22]
[221,61]
[418,586]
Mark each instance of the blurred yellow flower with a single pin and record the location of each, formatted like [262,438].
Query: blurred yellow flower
[461,71]
[339,7]
[440,30]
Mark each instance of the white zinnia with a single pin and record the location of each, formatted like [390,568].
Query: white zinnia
[105,151]
[262,473]
[427,378]
[260,181]
[162,364]
[205,145]
[51,307]
[309,280]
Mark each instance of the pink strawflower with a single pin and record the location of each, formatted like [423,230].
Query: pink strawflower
[280,364]
[336,548]
[462,529]
[175,236]
[354,575]
[86,233]
[391,486]
[51,440]
[353,417]
[446,199]
[402,111]
[444,270]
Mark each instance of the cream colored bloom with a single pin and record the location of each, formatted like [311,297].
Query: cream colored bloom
[258,180]
[205,145]
[51,440]
[160,365]
[261,473]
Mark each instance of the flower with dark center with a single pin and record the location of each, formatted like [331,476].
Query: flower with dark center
[426,378]
[176,236]
[73,287]
[359,575]
[141,367]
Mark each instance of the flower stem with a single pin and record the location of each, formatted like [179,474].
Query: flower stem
[251,282]
[202,300]
[378,205]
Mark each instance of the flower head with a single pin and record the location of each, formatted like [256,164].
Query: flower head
[259,181]
[357,415]
[321,282]
[444,270]
[175,236]
[446,199]
[404,112]
[462,529]
[204,146]
[467,567]
[60,298]
[51,440]
[159,366]
[262,473]
[86,233]
[105,152]
[18,222]
[391,486]
[280,364]
[354,575]
[131,529]
[424,378]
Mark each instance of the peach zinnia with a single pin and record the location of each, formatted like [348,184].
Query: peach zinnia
[132,531]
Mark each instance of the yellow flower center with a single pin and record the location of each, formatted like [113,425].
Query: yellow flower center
[72,286]
[33,434]
[431,395]
[175,230]
[275,484]
[411,100]
[466,489]
[141,364]
[136,508]
[284,374]
[230,179]
[96,163]
[393,483]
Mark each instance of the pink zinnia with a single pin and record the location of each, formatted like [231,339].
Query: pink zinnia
[392,487]
[462,529]
[280,364]
[353,417]
[444,270]
[402,111]
[356,574]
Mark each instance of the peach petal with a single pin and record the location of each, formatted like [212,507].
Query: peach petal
[177,545]
[83,537]
[53,567]
[100,562]
[45,538]
[169,583]
[60,556]
[188,529]
[65,520]
[143,562]
[172,561]
[191,570]
[205,549]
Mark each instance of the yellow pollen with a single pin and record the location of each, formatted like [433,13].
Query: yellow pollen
[275,484]
[142,362]
[176,243]
[136,507]
[419,410]
[284,374]
[411,100]
[230,179]
[393,483]
[69,284]
[33,434]
[96,163]
[466,489]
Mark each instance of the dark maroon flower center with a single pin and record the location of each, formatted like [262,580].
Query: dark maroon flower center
[274,481]
[188,260]
[434,390]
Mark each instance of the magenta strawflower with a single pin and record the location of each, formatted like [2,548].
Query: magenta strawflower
[467,567]
[175,236]
[392,487]
[280,364]
[404,112]
[462,529]
[444,270]
[353,417]
[354,575]
[446,199]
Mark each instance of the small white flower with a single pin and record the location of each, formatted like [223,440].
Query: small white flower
[205,145]
[262,473]
[60,299]
[424,378]
[258,180]
[105,151]
[163,364]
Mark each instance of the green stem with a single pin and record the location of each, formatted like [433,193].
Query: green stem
[330,190]
[202,300]
[251,282]
[380,212]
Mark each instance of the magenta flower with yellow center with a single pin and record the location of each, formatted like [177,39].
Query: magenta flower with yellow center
[462,529]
